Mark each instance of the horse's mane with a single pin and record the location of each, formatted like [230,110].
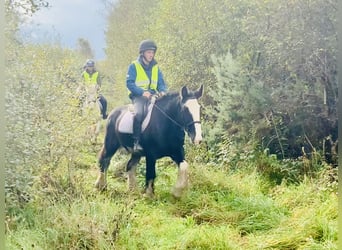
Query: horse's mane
[174,95]
[171,94]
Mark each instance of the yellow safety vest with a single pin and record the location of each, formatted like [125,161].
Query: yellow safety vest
[90,79]
[142,79]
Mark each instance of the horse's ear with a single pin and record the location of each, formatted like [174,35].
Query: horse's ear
[184,92]
[199,92]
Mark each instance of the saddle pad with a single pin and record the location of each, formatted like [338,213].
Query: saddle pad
[125,123]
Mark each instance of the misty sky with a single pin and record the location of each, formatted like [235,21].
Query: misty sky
[67,20]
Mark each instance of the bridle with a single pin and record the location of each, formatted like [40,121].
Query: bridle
[193,123]
[184,127]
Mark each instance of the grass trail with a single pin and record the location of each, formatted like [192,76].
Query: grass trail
[221,210]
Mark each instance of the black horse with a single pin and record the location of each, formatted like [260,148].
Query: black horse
[163,134]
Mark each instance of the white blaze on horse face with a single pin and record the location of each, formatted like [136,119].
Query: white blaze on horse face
[194,109]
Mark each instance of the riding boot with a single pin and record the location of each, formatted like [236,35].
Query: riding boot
[104,111]
[136,135]
[103,106]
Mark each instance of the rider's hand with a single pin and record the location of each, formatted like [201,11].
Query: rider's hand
[147,94]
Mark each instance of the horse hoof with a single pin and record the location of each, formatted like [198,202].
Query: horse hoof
[101,182]
[149,194]
[100,187]
[132,188]
[177,192]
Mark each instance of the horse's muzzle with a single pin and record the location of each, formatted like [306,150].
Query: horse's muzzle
[198,135]
[197,139]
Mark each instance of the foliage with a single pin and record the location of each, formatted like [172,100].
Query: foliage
[41,114]
[246,112]
[229,156]
[240,102]
[25,7]
[84,48]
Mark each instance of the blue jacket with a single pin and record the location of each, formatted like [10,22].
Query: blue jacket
[132,74]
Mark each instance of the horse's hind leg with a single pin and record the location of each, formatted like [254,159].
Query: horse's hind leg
[105,156]
[131,171]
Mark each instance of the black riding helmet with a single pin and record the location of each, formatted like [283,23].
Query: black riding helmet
[89,63]
[147,45]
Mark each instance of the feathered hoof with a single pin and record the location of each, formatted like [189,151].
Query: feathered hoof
[178,192]
[132,183]
[149,193]
[100,187]
[100,183]
[132,188]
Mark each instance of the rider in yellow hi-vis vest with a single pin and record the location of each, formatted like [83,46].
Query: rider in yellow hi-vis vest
[92,79]
[143,79]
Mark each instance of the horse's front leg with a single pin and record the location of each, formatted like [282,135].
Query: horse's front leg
[182,180]
[131,171]
[97,130]
[150,176]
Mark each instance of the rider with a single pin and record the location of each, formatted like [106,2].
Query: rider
[91,77]
[143,79]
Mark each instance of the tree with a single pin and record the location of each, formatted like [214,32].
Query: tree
[84,48]
[285,55]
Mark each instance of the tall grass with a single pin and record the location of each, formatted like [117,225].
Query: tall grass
[221,210]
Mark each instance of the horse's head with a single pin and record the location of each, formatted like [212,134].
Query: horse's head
[191,113]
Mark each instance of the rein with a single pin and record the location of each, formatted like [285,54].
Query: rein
[169,117]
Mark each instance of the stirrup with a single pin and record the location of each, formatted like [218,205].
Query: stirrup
[137,147]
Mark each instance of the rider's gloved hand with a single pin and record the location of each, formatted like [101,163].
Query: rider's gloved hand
[147,94]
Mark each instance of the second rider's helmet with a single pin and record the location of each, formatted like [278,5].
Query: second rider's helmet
[90,63]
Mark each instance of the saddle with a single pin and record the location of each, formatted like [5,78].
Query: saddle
[125,121]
